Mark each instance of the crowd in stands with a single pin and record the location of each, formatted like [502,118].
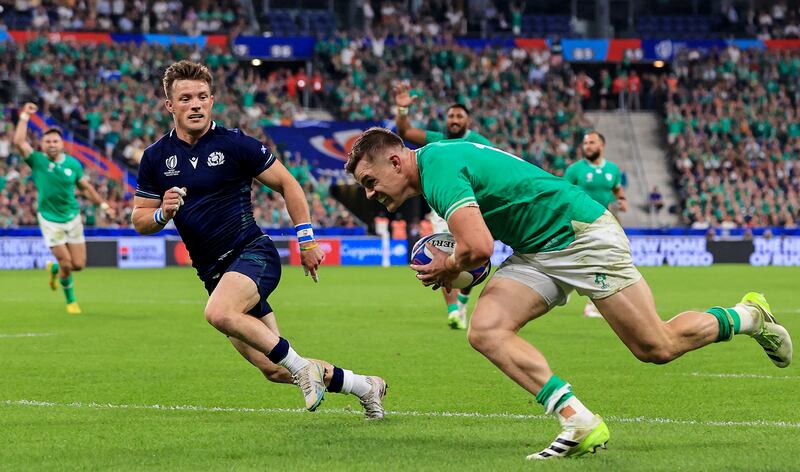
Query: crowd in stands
[523,101]
[111,96]
[768,20]
[733,126]
[125,16]
[18,194]
[732,117]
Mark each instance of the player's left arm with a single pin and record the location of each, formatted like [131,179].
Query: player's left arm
[278,178]
[91,193]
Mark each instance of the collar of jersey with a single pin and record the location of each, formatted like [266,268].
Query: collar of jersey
[596,166]
[174,136]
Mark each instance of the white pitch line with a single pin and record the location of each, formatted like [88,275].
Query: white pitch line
[424,414]
[741,376]
[24,335]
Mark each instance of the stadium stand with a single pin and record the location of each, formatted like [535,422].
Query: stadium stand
[734,133]
[719,110]
[521,100]
[111,97]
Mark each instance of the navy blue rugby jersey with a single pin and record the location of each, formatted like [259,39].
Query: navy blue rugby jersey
[218,171]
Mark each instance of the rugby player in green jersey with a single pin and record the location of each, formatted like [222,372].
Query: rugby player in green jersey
[457,127]
[55,175]
[563,240]
[602,180]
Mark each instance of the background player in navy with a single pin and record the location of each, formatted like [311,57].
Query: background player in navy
[200,176]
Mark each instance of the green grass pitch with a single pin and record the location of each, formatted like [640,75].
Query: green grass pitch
[141,382]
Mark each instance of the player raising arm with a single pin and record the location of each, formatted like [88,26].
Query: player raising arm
[562,240]
[199,175]
[456,127]
[56,175]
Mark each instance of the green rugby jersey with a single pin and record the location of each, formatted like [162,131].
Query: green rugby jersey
[524,206]
[469,136]
[55,181]
[598,182]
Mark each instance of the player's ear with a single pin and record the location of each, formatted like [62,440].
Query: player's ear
[168,105]
[395,160]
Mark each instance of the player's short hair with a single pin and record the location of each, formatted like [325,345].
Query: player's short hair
[369,144]
[459,105]
[53,131]
[599,135]
[185,70]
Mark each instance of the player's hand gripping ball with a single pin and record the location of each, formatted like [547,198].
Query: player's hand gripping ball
[421,255]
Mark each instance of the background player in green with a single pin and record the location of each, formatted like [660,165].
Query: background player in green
[56,175]
[562,240]
[602,180]
[457,127]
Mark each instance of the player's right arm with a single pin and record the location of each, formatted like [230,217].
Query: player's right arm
[475,241]
[405,129]
[146,217]
[151,210]
[21,131]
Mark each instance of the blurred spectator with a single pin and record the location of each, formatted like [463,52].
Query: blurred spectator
[734,132]
[656,200]
[516,98]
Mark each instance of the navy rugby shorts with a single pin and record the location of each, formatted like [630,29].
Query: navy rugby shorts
[259,261]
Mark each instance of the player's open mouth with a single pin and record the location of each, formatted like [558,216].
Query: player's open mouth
[195,116]
[384,200]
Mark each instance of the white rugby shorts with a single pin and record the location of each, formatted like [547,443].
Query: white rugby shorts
[56,234]
[597,264]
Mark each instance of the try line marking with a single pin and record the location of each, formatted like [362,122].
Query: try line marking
[739,376]
[424,414]
[24,335]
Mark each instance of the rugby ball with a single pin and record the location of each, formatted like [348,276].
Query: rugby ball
[421,255]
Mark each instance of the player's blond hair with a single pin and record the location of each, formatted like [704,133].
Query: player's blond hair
[185,70]
[370,144]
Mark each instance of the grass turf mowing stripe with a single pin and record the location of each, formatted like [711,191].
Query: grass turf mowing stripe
[427,414]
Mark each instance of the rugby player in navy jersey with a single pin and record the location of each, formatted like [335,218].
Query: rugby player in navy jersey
[199,175]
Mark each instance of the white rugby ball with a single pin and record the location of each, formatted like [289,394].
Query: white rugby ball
[421,255]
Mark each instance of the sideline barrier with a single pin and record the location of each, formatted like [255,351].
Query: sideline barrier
[30,252]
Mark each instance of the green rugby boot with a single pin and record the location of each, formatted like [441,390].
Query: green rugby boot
[772,337]
[576,441]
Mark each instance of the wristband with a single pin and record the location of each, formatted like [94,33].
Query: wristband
[402,111]
[24,116]
[305,233]
[309,247]
[158,217]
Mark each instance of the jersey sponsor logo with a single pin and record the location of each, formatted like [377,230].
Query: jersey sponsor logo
[68,172]
[193,160]
[609,177]
[172,163]
[589,177]
[216,159]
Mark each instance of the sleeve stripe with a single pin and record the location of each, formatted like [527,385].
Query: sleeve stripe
[455,206]
[142,193]
[267,164]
